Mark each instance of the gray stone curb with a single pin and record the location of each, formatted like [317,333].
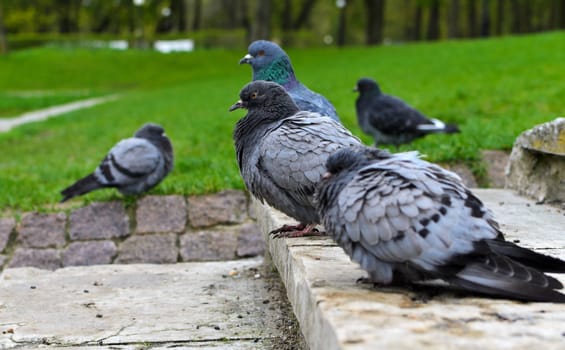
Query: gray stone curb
[336,312]
[160,229]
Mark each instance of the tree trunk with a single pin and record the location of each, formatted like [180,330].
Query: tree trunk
[515,10]
[557,14]
[341,26]
[433,21]
[499,24]
[375,21]
[453,19]
[197,17]
[304,15]
[261,27]
[485,18]
[286,24]
[417,23]
[3,38]
[472,18]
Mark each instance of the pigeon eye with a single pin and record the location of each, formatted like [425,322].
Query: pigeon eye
[261,53]
[254,95]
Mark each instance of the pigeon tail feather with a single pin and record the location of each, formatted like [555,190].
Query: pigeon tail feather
[451,129]
[82,186]
[520,291]
[527,257]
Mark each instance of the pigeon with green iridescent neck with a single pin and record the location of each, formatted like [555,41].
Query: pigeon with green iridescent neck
[271,63]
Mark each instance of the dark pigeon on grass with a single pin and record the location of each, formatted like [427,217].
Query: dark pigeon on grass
[389,120]
[281,152]
[406,220]
[133,166]
[270,62]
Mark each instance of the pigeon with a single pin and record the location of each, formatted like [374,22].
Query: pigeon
[406,220]
[390,120]
[271,63]
[281,152]
[133,166]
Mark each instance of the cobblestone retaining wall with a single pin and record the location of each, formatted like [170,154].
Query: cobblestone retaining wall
[160,229]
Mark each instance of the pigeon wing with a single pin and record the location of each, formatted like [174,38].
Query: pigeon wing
[129,161]
[393,116]
[400,211]
[295,153]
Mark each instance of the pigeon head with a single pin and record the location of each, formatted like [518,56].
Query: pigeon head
[269,62]
[266,96]
[344,159]
[150,131]
[367,85]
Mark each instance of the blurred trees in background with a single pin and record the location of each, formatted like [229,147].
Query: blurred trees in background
[234,23]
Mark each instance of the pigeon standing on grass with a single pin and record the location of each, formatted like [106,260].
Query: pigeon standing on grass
[269,62]
[404,220]
[132,166]
[390,120]
[281,152]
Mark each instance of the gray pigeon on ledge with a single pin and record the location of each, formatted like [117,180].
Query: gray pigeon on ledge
[269,62]
[405,220]
[281,152]
[133,166]
[390,120]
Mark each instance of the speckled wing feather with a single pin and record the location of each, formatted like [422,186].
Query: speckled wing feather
[291,158]
[408,215]
[128,162]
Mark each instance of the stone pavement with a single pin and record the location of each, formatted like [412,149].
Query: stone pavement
[205,305]
[159,229]
[335,312]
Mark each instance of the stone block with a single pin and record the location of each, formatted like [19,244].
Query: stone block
[208,245]
[48,259]
[99,220]
[537,163]
[89,253]
[38,230]
[155,249]
[226,207]
[250,241]
[495,162]
[6,227]
[161,214]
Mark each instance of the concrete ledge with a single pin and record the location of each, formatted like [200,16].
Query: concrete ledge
[335,312]
[205,305]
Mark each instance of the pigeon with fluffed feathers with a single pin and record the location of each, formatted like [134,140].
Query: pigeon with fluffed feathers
[389,120]
[281,152]
[271,63]
[133,166]
[406,220]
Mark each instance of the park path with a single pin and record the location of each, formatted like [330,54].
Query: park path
[7,124]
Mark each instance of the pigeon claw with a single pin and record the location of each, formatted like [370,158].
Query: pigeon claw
[293,231]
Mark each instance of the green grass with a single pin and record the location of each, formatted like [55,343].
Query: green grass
[494,89]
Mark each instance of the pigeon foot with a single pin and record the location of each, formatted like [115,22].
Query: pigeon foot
[292,231]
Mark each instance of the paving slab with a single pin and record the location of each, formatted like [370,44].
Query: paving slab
[336,312]
[220,305]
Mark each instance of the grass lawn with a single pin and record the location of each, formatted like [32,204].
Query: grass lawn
[493,88]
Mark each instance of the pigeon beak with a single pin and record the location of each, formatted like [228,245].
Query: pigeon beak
[237,105]
[246,59]
[355,89]
[326,175]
